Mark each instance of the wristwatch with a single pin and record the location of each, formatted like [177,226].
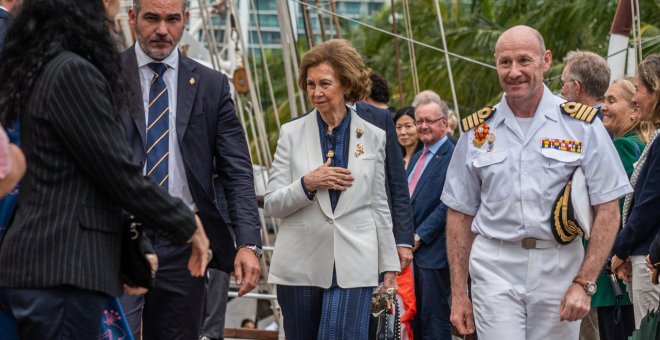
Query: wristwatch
[589,287]
[417,238]
[257,250]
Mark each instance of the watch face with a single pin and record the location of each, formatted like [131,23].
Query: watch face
[590,288]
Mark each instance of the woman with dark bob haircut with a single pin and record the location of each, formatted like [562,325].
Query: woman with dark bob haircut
[641,216]
[406,133]
[327,184]
[60,257]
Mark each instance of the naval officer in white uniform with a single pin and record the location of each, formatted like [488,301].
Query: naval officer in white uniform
[505,176]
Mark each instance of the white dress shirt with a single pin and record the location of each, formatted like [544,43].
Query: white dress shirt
[178,184]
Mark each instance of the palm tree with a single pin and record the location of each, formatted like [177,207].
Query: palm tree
[472,28]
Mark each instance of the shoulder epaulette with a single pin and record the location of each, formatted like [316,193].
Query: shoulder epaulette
[579,111]
[476,118]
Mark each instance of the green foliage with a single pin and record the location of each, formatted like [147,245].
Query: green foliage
[471,29]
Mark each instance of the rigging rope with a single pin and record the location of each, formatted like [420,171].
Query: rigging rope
[411,47]
[456,55]
[444,45]
[266,68]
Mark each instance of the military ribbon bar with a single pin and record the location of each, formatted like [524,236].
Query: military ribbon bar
[561,144]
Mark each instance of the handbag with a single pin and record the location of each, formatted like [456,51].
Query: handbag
[385,308]
[136,247]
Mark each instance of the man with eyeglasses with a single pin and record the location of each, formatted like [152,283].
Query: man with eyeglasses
[528,280]
[585,78]
[426,176]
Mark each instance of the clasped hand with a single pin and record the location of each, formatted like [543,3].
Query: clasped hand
[622,268]
[327,177]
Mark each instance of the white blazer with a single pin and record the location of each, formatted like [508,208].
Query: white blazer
[357,238]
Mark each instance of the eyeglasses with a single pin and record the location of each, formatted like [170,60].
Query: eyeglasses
[428,122]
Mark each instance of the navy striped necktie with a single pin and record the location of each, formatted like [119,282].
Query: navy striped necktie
[158,141]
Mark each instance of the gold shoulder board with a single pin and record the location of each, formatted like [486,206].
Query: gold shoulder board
[475,119]
[579,111]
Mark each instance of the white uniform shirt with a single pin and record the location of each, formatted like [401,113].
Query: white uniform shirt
[510,190]
[178,184]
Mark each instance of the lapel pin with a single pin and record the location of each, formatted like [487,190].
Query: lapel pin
[359,149]
[192,81]
[490,138]
[330,154]
[359,133]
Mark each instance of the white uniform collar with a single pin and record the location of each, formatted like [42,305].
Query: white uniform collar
[548,106]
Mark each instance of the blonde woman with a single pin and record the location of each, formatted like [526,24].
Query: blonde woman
[640,217]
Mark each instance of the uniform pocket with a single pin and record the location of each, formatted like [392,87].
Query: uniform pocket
[560,156]
[489,158]
[557,164]
[495,175]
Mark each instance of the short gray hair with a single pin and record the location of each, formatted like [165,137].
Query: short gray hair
[426,97]
[137,6]
[591,70]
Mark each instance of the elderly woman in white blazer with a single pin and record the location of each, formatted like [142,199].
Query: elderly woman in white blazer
[327,184]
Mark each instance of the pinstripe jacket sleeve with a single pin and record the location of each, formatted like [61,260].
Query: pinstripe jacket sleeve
[79,180]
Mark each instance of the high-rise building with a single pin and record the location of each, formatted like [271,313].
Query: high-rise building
[269,26]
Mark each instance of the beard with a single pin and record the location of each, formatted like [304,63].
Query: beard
[155,53]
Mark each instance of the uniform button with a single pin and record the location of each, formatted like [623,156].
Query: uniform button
[331,221]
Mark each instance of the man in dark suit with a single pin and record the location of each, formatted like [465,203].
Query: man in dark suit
[426,177]
[7,10]
[396,186]
[60,257]
[183,112]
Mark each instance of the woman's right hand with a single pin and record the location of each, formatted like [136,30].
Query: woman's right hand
[327,177]
[389,281]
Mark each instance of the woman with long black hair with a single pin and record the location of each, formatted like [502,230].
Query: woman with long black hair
[60,257]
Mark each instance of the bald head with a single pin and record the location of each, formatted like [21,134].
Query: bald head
[521,32]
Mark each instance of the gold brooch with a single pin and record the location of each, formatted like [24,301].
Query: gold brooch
[359,132]
[192,81]
[490,138]
[330,154]
[359,149]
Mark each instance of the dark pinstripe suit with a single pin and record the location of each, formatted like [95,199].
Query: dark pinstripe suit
[79,178]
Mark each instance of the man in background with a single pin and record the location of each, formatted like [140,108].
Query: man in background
[426,174]
[8,9]
[585,78]
[380,94]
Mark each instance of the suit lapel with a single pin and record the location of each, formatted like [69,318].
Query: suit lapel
[434,163]
[314,159]
[346,197]
[186,90]
[136,107]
